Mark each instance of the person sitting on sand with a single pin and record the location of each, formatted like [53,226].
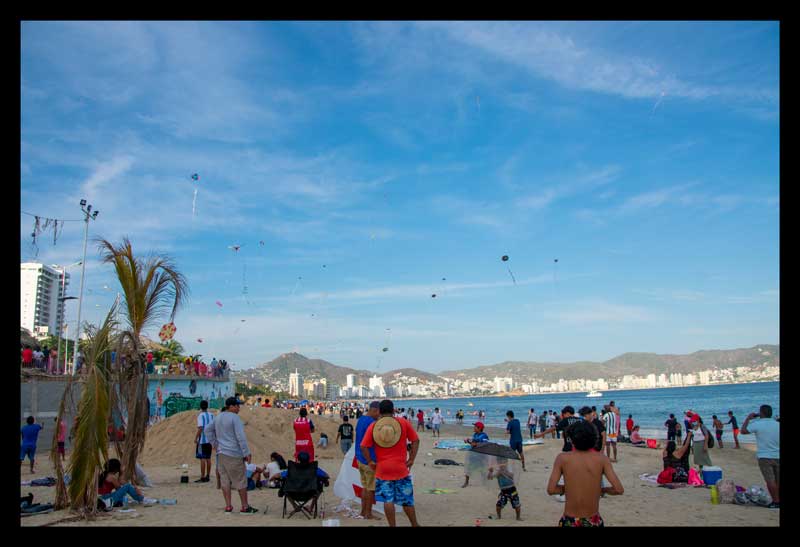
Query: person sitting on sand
[253,473]
[110,486]
[636,438]
[508,491]
[676,458]
[478,436]
[583,471]
[274,467]
[323,440]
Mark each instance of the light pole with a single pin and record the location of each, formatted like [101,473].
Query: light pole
[62,298]
[66,350]
[87,212]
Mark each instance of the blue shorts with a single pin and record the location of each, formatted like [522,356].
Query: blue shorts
[29,451]
[516,445]
[400,492]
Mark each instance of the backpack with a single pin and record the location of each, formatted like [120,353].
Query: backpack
[708,434]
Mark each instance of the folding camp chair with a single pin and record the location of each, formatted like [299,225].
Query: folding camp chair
[301,488]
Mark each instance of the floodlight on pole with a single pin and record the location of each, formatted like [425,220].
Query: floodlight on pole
[87,215]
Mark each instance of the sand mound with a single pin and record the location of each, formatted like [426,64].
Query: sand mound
[171,441]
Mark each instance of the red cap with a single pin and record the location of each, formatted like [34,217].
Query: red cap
[479,424]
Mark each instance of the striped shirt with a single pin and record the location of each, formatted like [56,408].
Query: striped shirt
[203,419]
[610,420]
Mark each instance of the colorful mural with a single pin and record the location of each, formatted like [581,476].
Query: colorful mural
[180,394]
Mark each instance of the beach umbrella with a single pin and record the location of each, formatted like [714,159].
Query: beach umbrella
[492,465]
[496,450]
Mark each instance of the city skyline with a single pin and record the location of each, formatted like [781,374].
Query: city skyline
[347,172]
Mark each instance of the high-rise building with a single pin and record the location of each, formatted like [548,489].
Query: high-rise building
[376,386]
[351,380]
[296,384]
[41,311]
[331,392]
[503,384]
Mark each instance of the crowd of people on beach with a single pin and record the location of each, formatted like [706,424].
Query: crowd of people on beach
[385,443]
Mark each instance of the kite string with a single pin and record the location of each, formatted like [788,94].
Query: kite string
[511,274]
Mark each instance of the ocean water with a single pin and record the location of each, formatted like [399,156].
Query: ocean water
[650,407]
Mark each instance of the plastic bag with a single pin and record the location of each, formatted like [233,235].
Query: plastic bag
[694,478]
[727,490]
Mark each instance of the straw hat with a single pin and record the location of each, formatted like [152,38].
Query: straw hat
[386,432]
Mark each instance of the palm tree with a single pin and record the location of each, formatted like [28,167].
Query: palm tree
[151,287]
[90,446]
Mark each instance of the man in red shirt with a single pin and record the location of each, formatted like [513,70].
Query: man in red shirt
[629,424]
[27,356]
[393,484]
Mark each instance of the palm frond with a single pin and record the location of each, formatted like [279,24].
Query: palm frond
[90,447]
[152,287]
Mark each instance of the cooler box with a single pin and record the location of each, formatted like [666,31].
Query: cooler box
[711,475]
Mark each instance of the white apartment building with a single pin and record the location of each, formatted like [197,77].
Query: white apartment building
[503,384]
[376,386]
[41,311]
[295,384]
[351,380]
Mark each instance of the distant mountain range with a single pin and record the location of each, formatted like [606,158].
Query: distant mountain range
[278,370]
[639,364]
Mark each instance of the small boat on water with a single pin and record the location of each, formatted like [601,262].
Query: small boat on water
[594,393]
[470,404]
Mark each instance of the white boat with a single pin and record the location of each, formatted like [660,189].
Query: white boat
[594,393]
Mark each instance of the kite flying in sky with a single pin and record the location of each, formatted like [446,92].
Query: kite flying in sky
[505,259]
[195,178]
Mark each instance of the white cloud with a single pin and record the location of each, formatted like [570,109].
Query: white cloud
[103,173]
[562,58]
[601,312]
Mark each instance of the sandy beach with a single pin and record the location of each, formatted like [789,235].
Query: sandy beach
[170,444]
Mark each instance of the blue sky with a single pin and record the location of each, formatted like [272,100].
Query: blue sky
[375,159]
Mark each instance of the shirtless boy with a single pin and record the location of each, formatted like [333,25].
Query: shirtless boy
[583,471]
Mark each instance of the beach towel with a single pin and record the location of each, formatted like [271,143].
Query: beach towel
[47,481]
[649,478]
